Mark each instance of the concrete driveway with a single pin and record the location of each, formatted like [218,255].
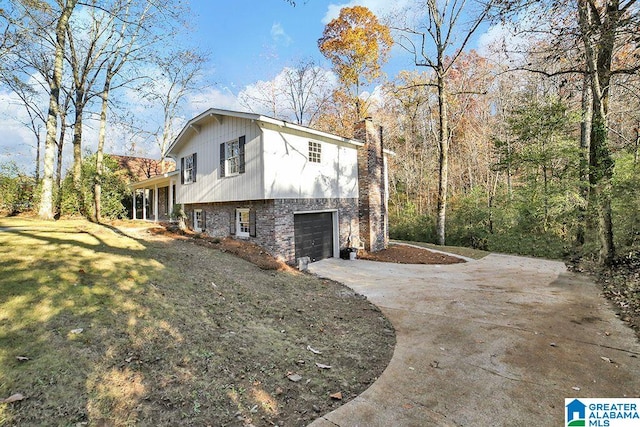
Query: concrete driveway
[496,342]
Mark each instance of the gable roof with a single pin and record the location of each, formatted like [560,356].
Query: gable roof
[217,114]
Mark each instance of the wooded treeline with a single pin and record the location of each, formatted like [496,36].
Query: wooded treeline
[530,147]
[71,62]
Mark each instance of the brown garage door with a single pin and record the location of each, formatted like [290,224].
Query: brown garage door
[314,235]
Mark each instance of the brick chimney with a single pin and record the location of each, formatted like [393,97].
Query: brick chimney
[372,202]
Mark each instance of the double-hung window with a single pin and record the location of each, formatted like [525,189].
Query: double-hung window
[242,222]
[232,157]
[188,165]
[198,223]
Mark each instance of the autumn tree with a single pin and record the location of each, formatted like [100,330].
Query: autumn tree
[599,32]
[357,45]
[436,43]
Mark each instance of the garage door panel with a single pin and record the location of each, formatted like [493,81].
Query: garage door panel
[313,235]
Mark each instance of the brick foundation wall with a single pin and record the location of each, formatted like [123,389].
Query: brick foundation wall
[275,221]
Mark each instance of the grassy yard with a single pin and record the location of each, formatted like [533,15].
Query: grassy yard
[124,328]
[456,250]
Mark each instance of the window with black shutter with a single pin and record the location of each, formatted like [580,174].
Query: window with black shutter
[232,157]
[189,168]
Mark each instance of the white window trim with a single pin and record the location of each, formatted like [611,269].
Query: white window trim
[227,166]
[188,177]
[239,231]
[197,224]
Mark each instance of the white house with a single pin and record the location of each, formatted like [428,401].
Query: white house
[293,190]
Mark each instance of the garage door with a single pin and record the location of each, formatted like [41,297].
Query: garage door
[314,235]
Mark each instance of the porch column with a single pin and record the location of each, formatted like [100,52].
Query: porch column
[134,203]
[155,203]
[144,204]
[170,199]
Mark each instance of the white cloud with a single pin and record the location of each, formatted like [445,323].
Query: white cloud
[279,35]
[213,98]
[502,45]
[380,8]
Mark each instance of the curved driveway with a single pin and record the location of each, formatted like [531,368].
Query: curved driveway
[500,341]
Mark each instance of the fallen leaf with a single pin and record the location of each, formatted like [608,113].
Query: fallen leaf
[295,378]
[321,366]
[575,388]
[407,406]
[336,396]
[606,359]
[77,331]
[434,364]
[553,344]
[22,358]
[313,350]
[13,398]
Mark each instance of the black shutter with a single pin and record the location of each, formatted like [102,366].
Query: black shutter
[232,223]
[221,169]
[195,167]
[181,170]
[252,222]
[204,221]
[241,142]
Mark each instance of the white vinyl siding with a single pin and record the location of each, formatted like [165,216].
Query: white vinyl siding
[289,173]
[210,187]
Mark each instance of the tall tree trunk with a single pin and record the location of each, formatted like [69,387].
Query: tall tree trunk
[443,142]
[584,221]
[77,152]
[45,210]
[63,126]
[599,42]
[97,186]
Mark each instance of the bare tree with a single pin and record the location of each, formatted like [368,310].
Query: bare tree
[178,74]
[307,89]
[436,43]
[130,42]
[62,18]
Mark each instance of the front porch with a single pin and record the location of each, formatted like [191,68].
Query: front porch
[154,198]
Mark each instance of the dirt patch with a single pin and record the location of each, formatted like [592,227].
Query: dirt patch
[404,254]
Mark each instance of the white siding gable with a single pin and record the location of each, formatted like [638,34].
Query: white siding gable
[288,173]
[205,139]
[277,161]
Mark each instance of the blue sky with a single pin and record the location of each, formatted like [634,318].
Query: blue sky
[248,41]
[251,40]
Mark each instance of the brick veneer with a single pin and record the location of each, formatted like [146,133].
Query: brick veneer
[275,221]
[371,186]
